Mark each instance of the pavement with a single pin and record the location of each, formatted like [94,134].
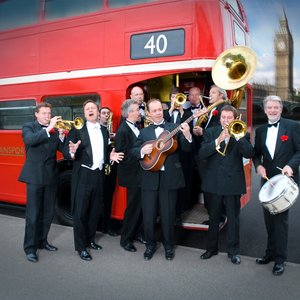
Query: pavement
[116,274]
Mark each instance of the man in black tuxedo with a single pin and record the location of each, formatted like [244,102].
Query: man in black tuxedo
[212,119]
[159,188]
[177,114]
[88,147]
[224,180]
[129,173]
[40,173]
[277,145]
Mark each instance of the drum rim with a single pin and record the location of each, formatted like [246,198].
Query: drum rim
[282,193]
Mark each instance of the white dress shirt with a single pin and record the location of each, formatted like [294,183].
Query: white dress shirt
[96,139]
[272,139]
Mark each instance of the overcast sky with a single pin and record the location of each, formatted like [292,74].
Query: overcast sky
[263,19]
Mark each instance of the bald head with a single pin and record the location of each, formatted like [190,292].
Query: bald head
[137,94]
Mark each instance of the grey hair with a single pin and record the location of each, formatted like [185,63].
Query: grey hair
[221,91]
[272,98]
[125,108]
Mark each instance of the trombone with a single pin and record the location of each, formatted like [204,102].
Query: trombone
[236,128]
[67,125]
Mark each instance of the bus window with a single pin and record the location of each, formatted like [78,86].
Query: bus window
[69,107]
[120,3]
[56,9]
[14,113]
[16,13]
[236,8]
[239,35]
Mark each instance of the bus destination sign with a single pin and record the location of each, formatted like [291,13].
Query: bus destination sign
[157,44]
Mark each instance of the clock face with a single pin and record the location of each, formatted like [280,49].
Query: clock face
[281,45]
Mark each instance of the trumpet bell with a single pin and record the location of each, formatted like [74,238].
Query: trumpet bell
[234,67]
[180,99]
[78,123]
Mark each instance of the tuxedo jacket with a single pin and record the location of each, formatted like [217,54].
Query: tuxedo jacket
[286,152]
[40,166]
[186,115]
[215,118]
[83,155]
[129,170]
[224,175]
[173,168]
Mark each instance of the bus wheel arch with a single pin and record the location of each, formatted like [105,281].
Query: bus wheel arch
[63,198]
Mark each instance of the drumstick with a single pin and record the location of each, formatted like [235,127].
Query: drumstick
[279,169]
[272,185]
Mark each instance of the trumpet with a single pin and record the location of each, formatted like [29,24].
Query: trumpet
[238,129]
[67,125]
[180,99]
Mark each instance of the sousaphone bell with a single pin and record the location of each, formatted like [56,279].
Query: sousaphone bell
[233,69]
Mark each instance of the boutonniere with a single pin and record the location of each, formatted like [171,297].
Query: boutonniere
[284,138]
[215,112]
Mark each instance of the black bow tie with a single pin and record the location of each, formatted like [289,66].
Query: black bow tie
[142,107]
[159,125]
[195,107]
[274,124]
[44,126]
[134,124]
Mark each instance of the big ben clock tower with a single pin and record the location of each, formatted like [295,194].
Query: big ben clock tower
[284,51]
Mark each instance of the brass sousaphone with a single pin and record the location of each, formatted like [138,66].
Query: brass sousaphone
[233,69]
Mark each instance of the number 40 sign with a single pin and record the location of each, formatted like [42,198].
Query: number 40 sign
[157,44]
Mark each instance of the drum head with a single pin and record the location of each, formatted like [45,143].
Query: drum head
[270,193]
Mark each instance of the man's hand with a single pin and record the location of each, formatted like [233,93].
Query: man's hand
[198,131]
[73,147]
[53,122]
[147,149]
[116,156]
[185,129]
[261,171]
[287,170]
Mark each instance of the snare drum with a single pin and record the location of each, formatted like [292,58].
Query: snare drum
[278,194]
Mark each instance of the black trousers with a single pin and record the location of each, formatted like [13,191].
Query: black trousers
[133,216]
[109,187]
[277,228]
[164,201]
[87,207]
[232,205]
[39,215]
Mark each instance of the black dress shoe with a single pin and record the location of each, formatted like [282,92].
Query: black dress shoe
[32,257]
[84,255]
[129,247]
[149,253]
[278,269]
[49,247]
[95,246]
[208,254]
[235,259]
[169,254]
[264,260]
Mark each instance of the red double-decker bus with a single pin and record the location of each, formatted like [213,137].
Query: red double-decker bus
[64,52]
